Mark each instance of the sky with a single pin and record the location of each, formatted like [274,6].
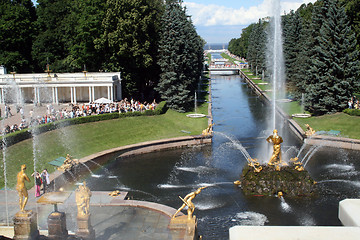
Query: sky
[218,21]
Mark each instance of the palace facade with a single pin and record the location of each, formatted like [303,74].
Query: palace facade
[58,88]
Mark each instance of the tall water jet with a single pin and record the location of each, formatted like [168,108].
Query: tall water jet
[275,59]
[12,94]
[42,95]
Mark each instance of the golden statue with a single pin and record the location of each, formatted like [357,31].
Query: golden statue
[21,188]
[68,163]
[115,193]
[82,197]
[208,131]
[188,202]
[310,131]
[276,140]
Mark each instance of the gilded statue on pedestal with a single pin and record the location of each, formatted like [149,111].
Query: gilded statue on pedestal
[82,197]
[276,140]
[21,188]
[188,202]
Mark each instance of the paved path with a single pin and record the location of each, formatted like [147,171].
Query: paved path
[38,111]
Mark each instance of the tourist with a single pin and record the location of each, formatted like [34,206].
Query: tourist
[37,183]
[45,179]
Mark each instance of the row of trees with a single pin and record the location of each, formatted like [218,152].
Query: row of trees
[151,42]
[321,43]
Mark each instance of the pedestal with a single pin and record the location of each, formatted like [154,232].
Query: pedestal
[57,226]
[25,225]
[85,230]
[183,223]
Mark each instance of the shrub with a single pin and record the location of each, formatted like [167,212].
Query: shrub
[352,112]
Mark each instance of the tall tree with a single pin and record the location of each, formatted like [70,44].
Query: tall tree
[334,71]
[50,43]
[16,34]
[352,8]
[256,55]
[130,42]
[83,26]
[293,41]
[239,46]
[180,57]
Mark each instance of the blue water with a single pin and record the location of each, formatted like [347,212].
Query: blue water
[239,114]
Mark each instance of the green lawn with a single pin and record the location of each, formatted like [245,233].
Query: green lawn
[224,55]
[349,126]
[85,139]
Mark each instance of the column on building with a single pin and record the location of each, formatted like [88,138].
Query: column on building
[90,95]
[108,93]
[72,94]
[53,95]
[36,95]
[2,96]
[93,93]
[75,95]
[56,96]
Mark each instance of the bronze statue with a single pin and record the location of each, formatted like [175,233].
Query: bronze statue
[82,197]
[276,140]
[21,188]
[188,202]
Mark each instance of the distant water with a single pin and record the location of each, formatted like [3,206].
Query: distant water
[216,46]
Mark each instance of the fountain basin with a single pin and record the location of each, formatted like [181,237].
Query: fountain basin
[196,115]
[269,182]
[301,115]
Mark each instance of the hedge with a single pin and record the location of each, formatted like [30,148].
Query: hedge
[15,137]
[352,112]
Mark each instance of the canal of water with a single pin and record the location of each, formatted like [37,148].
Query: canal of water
[240,121]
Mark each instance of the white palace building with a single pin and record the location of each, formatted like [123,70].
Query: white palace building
[58,88]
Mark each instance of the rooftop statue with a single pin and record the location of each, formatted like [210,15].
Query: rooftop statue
[21,188]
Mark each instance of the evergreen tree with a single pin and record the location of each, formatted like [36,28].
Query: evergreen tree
[352,8]
[16,34]
[180,57]
[293,41]
[239,46]
[334,69]
[129,43]
[256,54]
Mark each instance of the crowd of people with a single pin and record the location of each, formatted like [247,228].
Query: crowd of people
[353,103]
[75,110]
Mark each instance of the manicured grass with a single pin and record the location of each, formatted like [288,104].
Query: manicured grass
[224,55]
[85,139]
[292,107]
[349,126]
